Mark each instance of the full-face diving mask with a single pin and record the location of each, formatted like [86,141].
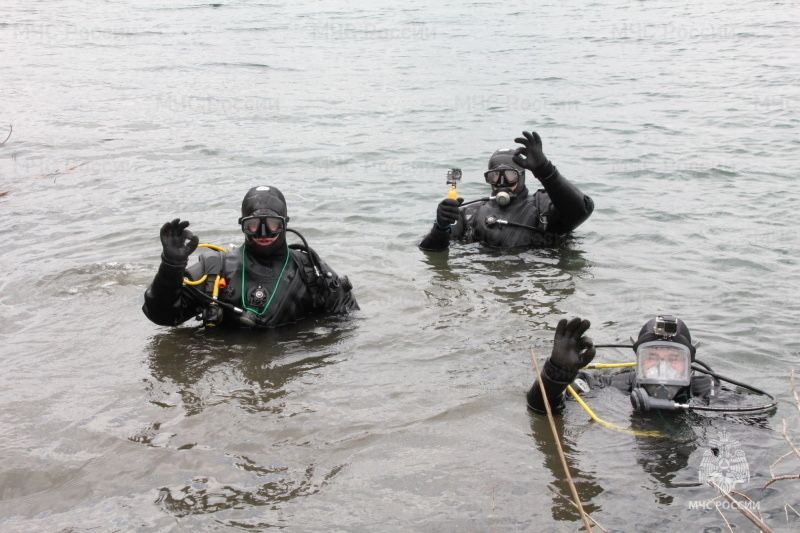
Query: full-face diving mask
[663,368]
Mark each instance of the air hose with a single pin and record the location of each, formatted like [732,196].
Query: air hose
[698,366]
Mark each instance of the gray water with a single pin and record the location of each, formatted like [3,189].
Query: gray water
[680,119]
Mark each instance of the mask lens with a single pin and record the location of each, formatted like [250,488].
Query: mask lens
[663,363]
[274,224]
[250,225]
[263,225]
[509,175]
[512,176]
[492,176]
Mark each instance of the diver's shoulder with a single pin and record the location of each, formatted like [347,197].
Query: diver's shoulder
[217,260]
[304,257]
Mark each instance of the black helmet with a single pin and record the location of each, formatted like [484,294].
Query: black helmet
[263,200]
[650,332]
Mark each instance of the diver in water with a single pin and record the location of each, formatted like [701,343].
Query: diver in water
[512,217]
[264,283]
[665,377]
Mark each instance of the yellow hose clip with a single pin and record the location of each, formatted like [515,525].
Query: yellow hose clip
[187,281]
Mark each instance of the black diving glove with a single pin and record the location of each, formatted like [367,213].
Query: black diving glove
[178,242]
[447,212]
[531,156]
[571,350]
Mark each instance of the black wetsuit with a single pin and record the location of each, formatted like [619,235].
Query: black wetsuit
[300,294]
[555,211]
[555,381]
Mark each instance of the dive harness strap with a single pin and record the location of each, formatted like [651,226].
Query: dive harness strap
[543,215]
[320,282]
[213,268]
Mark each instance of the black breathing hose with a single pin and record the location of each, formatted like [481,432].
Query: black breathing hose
[704,368]
[756,409]
[311,255]
[475,201]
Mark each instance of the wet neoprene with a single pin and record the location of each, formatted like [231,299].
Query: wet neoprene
[177,242]
[447,212]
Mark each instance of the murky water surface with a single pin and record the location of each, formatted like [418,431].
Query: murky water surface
[679,118]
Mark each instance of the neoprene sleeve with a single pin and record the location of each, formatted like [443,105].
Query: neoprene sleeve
[572,207]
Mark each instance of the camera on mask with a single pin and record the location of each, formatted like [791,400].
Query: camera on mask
[666,326]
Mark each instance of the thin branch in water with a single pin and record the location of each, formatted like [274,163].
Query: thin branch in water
[793,447]
[743,495]
[572,503]
[744,510]
[57,173]
[723,518]
[748,498]
[786,436]
[715,498]
[563,458]
[780,478]
[10,129]
[778,460]
[787,511]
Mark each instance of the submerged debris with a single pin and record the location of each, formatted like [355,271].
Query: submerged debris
[10,130]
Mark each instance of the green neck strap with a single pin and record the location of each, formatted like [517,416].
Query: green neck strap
[274,289]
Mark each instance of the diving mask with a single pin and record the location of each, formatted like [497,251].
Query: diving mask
[263,225]
[663,363]
[509,175]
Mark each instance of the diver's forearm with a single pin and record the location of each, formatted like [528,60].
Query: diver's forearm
[436,240]
[553,383]
[162,299]
[571,205]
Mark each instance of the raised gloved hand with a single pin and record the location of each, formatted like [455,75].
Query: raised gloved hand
[178,242]
[571,350]
[530,154]
[447,212]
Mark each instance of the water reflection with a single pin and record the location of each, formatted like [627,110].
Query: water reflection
[249,369]
[528,282]
[278,485]
[665,457]
[662,458]
[586,485]
[245,374]
[671,460]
